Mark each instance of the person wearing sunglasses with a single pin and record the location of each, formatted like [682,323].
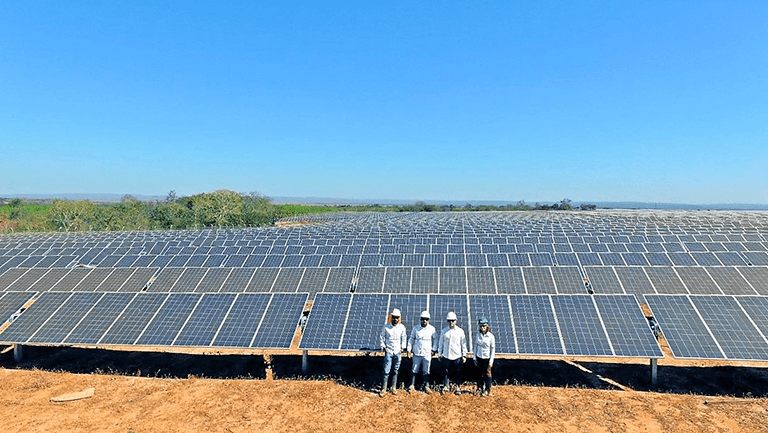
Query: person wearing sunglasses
[452,350]
[393,341]
[485,352]
[422,344]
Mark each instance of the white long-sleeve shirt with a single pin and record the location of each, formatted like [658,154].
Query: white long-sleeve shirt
[485,346]
[393,338]
[423,340]
[453,343]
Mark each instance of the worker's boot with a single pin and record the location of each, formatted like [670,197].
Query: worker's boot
[383,385]
[425,378]
[394,384]
[412,386]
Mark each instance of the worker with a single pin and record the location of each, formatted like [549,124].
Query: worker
[393,340]
[485,352]
[422,344]
[452,351]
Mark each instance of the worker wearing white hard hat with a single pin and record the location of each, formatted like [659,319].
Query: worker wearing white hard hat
[393,340]
[452,350]
[422,344]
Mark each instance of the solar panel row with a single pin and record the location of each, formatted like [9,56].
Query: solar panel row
[256,320]
[576,325]
[740,280]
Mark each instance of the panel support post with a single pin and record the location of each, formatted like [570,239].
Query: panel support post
[304,361]
[654,371]
[18,352]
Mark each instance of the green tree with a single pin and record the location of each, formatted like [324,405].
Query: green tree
[72,215]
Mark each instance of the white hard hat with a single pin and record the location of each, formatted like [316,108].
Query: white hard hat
[395,313]
[424,314]
[451,316]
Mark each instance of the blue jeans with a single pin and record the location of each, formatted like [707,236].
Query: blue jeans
[388,358]
[421,363]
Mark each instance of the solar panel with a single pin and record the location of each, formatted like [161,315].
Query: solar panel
[481,281]
[242,320]
[280,321]
[535,326]
[603,279]
[626,326]
[64,320]
[288,280]
[169,319]
[635,281]
[237,280]
[756,308]
[580,326]
[99,318]
[133,319]
[568,280]
[730,281]
[684,330]
[21,329]
[10,276]
[213,280]
[367,315]
[665,280]
[26,280]
[204,322]
[757,277]
[49,280]
[370,280]
[326,321]
[495,308]
[339,279]
[736,335]
[509,280]
[397,280]
[424,280]
[538,280]
[698,281]
[263,279]
[453,280]
[11,302]
[189,280]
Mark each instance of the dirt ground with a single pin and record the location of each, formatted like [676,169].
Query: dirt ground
[168,392]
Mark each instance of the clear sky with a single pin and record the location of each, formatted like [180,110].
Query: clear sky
[656,101]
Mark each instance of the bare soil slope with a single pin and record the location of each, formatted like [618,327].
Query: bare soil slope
[161,392]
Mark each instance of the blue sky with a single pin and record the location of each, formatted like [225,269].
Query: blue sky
[593,101]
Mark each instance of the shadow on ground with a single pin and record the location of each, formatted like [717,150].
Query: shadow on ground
[364,371]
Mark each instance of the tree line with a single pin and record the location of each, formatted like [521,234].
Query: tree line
[221,208]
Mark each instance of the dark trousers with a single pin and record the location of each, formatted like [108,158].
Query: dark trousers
[452,370]
[484,376]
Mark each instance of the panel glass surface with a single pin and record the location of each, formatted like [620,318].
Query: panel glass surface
[242,320]
[367,315]
[326,321]
[535,326]
[736,335]
[627,327]
[682,327]
[280,321]
[99,319]
[495,308]
[205,320]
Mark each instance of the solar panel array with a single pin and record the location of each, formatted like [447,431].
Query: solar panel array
[173,284]
[569,325]
[255,320]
